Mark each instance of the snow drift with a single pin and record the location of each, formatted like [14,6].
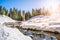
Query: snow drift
[51,23]
[4,18]
[7,33]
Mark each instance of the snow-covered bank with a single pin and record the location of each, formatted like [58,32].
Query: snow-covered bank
[11,34]
[4,19]
[7,33]
[51,23]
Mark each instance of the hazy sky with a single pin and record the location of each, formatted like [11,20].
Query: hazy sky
[28,4]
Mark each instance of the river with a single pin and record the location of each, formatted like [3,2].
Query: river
[40,35]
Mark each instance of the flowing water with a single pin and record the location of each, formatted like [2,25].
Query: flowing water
[51,23]
[38,35]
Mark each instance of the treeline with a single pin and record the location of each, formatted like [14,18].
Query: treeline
[22,15]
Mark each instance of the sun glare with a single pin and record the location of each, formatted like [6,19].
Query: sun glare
[52,6]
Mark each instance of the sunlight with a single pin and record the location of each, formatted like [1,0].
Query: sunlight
[52,6]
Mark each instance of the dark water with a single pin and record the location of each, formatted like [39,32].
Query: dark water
[38,35]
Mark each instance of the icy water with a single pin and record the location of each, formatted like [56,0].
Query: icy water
[35,35]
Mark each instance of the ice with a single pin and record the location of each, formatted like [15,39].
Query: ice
[51,22]
[8,33]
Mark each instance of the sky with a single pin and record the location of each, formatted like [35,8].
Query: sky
[28,4]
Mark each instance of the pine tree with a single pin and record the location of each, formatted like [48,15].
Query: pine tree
[23,15]
[27,15]
[11,13]
[1,10]
[33,12]
[19,15]
[5,11]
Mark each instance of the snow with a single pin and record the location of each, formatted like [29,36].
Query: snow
[7,33]
[51,22]
[4,18]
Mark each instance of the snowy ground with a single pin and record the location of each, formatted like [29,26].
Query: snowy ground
[7,33]
[51,23]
